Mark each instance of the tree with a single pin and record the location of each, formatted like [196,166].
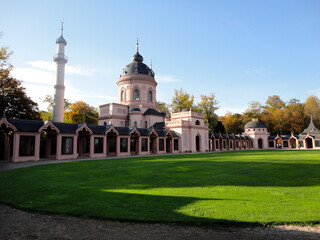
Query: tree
[275,116]
[163,106]
[274,103]
[208,105]
[14,103]
[254,111]
[295,111]
[181,100]
[80,112]
[312,109]
[219,128]
[232,122]
[48,115]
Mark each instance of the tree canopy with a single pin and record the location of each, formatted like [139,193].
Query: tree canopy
[48,115]
[181,100]
[14,103]
[80,112]
[208,105]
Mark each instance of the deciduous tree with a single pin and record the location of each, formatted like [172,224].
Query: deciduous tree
[14,103]
[232,122]
[80,112]
[312,109]
[295,111]
[181,100]
[163,106]
[208,105]
[48,115]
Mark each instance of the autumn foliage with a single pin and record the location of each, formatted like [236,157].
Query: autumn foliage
[14,103]
[80,112]
[279,116]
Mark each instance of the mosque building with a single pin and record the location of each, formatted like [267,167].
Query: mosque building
[133,126]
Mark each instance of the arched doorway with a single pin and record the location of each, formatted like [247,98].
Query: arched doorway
[134,143]
[278,143]
[6,143]
[293,143]
[153,143]
[198,143]
[83,143]
[309,143]
[48,143]
[260,143]
[220,144]
[111,143]
[169,144]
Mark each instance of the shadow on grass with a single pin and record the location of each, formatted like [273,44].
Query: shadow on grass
[85,188]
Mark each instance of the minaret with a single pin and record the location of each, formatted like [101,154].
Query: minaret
[60,60]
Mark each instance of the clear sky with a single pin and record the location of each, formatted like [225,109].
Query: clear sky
[241,50]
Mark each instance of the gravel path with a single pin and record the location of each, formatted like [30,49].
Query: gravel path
[17,224]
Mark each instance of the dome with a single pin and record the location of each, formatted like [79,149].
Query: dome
[61,40]
[255,123]
[137,66]
[137,58]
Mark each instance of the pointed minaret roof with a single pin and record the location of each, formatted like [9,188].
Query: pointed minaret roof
[311,129]
[61,38]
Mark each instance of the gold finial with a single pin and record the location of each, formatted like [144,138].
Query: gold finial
[62,27]
[137,44]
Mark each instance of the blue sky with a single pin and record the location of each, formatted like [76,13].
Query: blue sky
[241,50]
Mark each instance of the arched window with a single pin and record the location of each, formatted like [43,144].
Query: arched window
[150,96]
[136,95]
[135,124]
[197,122]
[123,96]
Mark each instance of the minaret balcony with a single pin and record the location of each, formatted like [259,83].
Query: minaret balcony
[60,57]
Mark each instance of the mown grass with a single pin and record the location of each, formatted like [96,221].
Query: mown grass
[248,187]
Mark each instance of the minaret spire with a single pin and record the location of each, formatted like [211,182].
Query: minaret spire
[60,59]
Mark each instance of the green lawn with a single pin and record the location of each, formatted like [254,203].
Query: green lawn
[245,187]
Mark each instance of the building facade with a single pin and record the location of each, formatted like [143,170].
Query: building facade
[133,126]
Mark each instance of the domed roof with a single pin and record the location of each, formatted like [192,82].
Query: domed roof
[61,40]
[137,57]
[137,66]
[255,123]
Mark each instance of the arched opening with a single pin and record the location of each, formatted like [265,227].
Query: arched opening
[48,143]
[153,143]
[169,144]
[83,143]
[6,143]
[111,143]
[136,95]
[123,96]
[293,143]
[309,143]
[260,143]
[220,144]
[150,96]
[278,143]
[213,146]
[198,143]
[197,122]
[134,143]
